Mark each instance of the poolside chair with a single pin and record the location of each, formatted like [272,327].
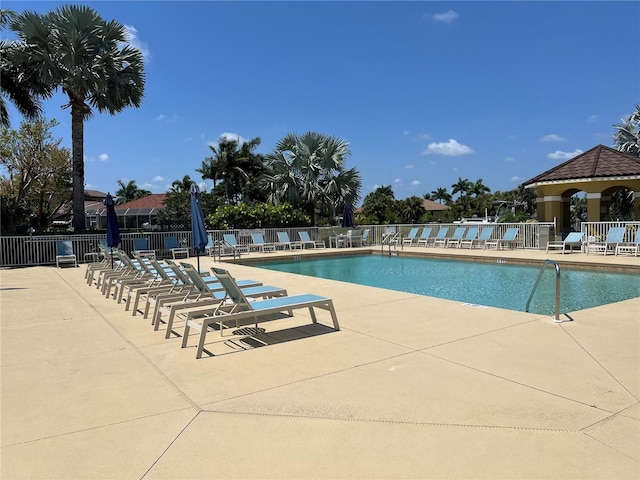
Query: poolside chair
[411,236]
[469,237]
[615,236]
[485,235]
[305,239]
[424,236]
[141,248]
[232,243]
[630,247]
[212,296]
[210,247]
[574,239]
[440,238]
[454,240]
[354,238]
[237,308]
[64,253]
[285,241]
[508,240]
[365,236]
[260,245]
[171,244]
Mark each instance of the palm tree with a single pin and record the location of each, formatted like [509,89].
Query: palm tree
[627,136]
[90,60]
[441,195]
[231,163]
[310,169]
[13,84]
[182,186]
[129,192]
[461,186]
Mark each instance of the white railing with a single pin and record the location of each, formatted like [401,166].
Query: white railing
[41,249]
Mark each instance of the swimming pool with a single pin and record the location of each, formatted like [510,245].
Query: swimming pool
[491,284]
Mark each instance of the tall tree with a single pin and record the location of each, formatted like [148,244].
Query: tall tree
[233,163]
[461,186]
[310,169]
[627,136]
[411,209]
[91,61]
[379,205]
[13,82]
[129,192]
[441,195]
[182,185]
[36,179]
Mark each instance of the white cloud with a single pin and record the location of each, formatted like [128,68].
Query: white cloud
[560,155]
[157,178]
[424,136]
[450,149]
[147,185]
[515,179]
[405,132]
[135,42]
[444,17]
[397,181]
[161,117]
[409,167]
[233,136]
[415,183]
[103,157]
[509,159]
[592,118]
[552,137]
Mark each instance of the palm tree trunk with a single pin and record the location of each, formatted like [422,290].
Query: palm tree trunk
[77,144]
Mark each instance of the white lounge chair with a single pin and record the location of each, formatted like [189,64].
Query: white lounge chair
[141,248]
[574,239]
[454,240]
[64,253]
[423,239]
[440,238]
[306,240]
[630,247]
[285,242]
[469,237]
[485,236]
[237,307]
[615,236]
[509,239]
[411,236]
[232,243]
[260,245]
[171,244]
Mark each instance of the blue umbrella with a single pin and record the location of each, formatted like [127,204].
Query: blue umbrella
[198,229]
[347,218]
[113,231]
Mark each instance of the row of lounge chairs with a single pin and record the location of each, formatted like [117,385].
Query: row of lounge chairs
[613,243]
[169,293]
[259,244]
[462,237]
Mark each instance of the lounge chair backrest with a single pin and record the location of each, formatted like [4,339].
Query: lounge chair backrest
[413,232]
[159,269]
[140,244]
[486,233]
[103,243]
[171,242]
[426,233]
[442,233]
[458,233]
[64,248]
[180,273]
[471,234]
[257,238]
[232,290]
[230,238]
[510,234]
[365,234]
[210,243]
[283,237]
[574,237]
[615,235]
[195,278]
[304,236]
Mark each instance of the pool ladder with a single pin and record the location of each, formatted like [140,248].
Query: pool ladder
[391,239]
[557,267]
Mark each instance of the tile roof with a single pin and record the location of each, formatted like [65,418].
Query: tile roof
[598,162]
[150,201]
[431,206]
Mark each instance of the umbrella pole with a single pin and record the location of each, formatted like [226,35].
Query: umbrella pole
[198,257]
[111,249]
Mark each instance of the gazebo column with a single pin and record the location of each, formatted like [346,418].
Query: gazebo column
[549,208]
[564,219]
[636,205]
[594,213]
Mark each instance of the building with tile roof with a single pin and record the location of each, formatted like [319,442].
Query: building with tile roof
[139,213]
[598,172]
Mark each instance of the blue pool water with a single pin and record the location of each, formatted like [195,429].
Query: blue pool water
[496,285]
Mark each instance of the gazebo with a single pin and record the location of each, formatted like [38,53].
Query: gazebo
[598,172]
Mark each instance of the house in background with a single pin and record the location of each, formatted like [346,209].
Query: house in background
[137,214]
[436,209]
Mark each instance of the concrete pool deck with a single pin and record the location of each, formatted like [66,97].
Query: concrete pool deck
[410,387]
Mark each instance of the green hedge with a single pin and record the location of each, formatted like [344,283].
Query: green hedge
[258,215]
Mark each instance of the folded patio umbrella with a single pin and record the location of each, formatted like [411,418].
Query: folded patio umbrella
[347,218]
[113,231]
[198,229]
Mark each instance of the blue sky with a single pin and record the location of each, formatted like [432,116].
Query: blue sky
[424,92]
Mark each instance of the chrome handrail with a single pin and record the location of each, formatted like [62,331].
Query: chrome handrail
[557,267]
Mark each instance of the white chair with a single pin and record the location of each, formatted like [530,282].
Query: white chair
[64,253]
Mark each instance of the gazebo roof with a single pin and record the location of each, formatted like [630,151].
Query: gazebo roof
[599,162]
